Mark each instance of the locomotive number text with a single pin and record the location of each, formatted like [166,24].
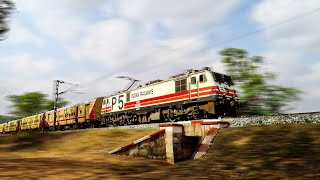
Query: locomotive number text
[117,100]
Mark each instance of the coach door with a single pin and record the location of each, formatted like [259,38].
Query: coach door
[87,110]
[193,87]
[48,118]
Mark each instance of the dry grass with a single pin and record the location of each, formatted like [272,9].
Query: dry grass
[266,152]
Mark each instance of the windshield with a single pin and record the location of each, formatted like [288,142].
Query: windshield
[220,78]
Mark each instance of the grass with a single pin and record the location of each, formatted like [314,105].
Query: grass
[266,152]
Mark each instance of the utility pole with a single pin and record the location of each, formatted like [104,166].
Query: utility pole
[56,96]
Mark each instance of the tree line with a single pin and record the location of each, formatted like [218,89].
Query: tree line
[257,95]
[28,104]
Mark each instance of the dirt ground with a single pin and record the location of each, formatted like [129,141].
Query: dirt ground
[265,152]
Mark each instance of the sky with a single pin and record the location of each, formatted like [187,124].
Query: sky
[91,42]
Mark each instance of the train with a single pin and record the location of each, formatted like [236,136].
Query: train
[192,94]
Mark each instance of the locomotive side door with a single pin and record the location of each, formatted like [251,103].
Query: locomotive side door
[193,87]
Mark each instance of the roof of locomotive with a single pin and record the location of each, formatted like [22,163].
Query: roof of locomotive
[174,77]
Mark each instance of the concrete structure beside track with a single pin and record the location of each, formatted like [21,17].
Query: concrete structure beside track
[175,142]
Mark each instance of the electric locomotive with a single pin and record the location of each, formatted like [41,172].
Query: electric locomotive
[193,94]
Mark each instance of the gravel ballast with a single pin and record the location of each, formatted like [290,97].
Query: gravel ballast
[299,118]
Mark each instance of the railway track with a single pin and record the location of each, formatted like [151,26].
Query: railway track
[289,118]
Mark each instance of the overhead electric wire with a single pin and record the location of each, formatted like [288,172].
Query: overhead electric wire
[70,83]
[271,26]
[69,89]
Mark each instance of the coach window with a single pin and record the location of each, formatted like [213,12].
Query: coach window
[181,85]
[193,80]
[202,78]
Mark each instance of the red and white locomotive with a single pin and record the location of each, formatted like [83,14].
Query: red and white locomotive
[190,95]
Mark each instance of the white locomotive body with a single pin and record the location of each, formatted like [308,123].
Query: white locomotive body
[193,94]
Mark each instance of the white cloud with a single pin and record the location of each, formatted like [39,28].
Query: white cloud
[133,40]
[292,46]
[25,73]
[61,20]
[130,32]
[27,64]
[114,46]
[61,27]
[21,35]
[298,30]
[22,72]
[178,17]
[109,42]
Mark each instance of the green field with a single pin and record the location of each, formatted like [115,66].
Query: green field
[264,152]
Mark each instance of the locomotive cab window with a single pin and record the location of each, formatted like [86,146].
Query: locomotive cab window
[181,85]
[128,96]
[193,80]
[202,78]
